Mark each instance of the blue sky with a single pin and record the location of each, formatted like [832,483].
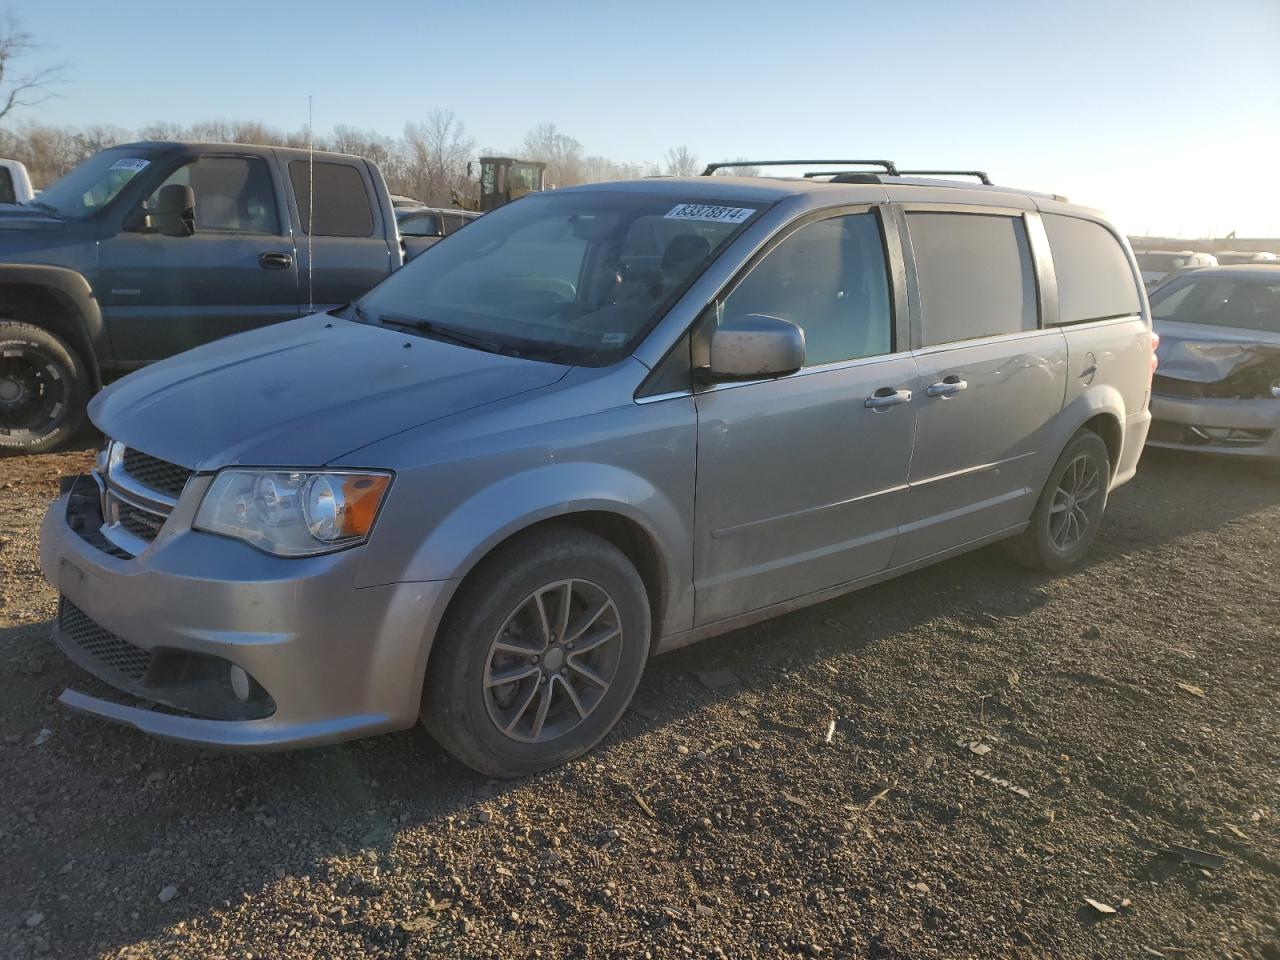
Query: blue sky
[1166,114]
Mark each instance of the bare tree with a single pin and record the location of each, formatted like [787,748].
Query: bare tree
[561,153]
[21,89]
[739,170]
[680,162]
[436,153]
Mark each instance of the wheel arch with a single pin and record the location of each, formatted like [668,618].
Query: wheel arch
[60,301]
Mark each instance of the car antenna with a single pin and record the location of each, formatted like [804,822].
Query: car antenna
[311,207]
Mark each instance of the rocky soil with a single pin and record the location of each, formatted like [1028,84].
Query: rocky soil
[969,761]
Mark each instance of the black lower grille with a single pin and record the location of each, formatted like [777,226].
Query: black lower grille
[159,475]
[101,645]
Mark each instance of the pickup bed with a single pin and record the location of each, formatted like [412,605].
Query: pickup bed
[147,249]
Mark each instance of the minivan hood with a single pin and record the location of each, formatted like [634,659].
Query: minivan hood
[303,393]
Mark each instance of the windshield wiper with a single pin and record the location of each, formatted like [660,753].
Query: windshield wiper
[42,205]
[438,332]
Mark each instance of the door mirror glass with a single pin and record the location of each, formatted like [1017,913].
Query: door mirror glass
[174,212]
[755,345]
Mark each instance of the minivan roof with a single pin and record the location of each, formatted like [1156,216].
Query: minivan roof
[823,193]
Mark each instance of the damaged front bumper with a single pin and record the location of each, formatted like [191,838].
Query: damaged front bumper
[217,644]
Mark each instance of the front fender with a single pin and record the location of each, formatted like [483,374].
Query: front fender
[74,291]
[489,516]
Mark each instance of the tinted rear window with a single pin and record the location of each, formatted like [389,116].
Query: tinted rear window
[1095,280]
[342,205]
[976,275]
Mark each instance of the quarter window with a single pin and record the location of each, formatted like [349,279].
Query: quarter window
[233,194]
[975,275]
[341,202]
[831,279]
[1095,280]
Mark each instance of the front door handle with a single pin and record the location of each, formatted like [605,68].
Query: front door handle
[887,397]
[275,261]
[947,386]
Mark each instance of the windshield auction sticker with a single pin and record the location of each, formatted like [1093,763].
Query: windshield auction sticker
[704,211]
[131,163]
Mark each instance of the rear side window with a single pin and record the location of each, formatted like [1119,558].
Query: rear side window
[1095,280]
[976,276]
[7,193]
[341,203]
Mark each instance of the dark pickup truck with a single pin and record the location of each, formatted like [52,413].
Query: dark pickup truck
[148,249]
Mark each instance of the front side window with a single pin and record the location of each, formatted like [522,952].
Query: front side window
[93,184]
[830,278]
[561,275]
[341,202]
[975,275]
[1220,302]
[426,225]
[1095,280]
[233,194]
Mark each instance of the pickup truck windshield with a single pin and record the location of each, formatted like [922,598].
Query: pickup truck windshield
[93,184]
[568,277]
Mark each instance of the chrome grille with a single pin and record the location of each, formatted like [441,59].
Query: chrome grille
[159,475]
[100,645]
[140,523]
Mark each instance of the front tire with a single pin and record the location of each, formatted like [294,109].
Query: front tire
[1069,512]
[43,389]
[541,652]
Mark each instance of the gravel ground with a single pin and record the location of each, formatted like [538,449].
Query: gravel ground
[952,764]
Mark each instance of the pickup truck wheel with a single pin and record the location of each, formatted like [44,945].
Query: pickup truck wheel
[540,655]
[43,388]
[1069,512]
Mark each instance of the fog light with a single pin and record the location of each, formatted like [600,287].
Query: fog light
[239,683]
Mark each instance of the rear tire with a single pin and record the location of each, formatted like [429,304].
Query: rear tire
[43,389]
[1069,512]
[566,616]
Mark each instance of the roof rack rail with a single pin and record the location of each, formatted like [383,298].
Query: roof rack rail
[980,174]
[887,165]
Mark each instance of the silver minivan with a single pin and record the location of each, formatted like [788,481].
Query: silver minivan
[598,424]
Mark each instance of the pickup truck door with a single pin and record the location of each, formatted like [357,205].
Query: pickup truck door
[161,295]
[353,246]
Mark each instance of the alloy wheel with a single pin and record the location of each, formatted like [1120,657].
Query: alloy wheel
[552,661]
[1069,518]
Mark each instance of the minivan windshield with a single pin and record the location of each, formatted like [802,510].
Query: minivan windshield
[1221,302]
[571,277]
[93,184]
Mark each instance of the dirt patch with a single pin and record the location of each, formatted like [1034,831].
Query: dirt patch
[1005,749]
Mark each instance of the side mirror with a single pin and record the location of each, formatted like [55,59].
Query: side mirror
[174,214]
[755,345]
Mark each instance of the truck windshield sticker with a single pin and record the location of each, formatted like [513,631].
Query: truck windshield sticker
[705,211]
[131,163]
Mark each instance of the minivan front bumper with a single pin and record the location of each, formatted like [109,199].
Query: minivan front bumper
[326,661]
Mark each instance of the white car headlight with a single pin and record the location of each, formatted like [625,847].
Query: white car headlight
[293,513]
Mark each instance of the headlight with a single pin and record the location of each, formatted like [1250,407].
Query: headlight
[293,513]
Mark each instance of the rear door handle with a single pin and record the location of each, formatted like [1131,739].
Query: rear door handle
[275,261]
[887,397]
[947,386]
